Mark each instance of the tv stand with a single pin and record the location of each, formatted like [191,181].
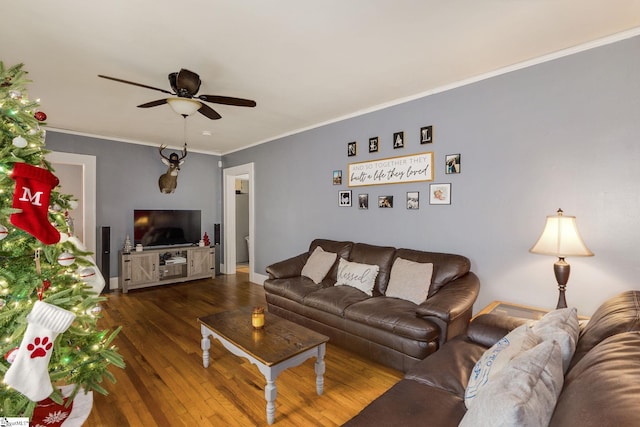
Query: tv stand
[153,267]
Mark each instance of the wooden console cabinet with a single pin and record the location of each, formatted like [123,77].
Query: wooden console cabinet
[162,266]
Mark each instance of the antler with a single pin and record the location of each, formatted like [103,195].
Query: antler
[162,147]
[184,151]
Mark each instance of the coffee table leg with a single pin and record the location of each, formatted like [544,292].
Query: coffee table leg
[205,344]
[320,368]
[270,394]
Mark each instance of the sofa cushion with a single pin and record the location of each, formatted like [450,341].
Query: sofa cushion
[495,359]
[393,315]
[448,368]
[562,326]
[293,288]
[409,280]
[409,403]
[334,299]
[357,275]
[318,264]
[446,267]
[618,314]
[382,256]
[524,393]
[603,388]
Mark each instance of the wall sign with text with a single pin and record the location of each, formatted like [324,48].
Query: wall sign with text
[392,170]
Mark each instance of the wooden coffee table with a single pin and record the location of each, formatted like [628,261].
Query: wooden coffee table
[281,344]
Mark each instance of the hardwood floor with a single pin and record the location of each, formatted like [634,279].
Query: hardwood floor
[165,384]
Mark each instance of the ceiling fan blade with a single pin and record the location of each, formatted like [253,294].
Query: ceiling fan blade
[227,100]
[187,81]
[209,112]
[153,103]
[135,84]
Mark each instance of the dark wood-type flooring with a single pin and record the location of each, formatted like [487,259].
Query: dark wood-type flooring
[165,384]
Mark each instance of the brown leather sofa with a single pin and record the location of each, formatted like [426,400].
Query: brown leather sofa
[601,386]
[392,331]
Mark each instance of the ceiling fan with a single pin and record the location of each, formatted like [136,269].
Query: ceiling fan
[185,85]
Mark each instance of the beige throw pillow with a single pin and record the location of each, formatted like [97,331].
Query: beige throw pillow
[410,280]
[318,264]
[562,326]
[360,276]
[496,358]
[524,393]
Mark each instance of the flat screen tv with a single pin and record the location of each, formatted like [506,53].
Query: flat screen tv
[166,227]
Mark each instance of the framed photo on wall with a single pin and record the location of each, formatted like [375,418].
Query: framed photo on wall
[337,177]
[344,198]
[413,200]
[373,145]
[363,201]
[398,140]
[426,135]
[440,194]
[452,163]
[385,201]
[352,148]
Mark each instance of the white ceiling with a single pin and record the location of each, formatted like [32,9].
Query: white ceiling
[305,63]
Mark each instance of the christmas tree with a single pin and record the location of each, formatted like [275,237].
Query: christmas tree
[49,285]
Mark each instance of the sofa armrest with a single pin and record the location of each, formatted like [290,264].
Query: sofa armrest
[291,267]
[451,307]
[488,329]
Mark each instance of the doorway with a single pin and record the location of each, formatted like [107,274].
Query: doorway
[78,178]
[230,235]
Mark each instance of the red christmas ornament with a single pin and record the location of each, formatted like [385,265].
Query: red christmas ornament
[46,284]
[40,116]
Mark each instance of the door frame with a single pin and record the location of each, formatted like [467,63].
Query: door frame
[88,164]
[229,231]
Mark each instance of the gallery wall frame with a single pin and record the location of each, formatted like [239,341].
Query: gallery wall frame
[352,148]
[426,135]
[344,198]
[413,200]
[440,194]
[392,170]
[337,177]
[385,201]
[398,140]
[452,163]
[363,201]
[373,144]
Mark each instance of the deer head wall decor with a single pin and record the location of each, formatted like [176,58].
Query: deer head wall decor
[169,180]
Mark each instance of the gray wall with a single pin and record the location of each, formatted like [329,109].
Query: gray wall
[127,179]
[562,134]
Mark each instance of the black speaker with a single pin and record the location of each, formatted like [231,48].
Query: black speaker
[104,255]
[216,234]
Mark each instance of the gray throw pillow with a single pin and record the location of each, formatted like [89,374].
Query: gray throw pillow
[496,358]
[318,264]
[562,326]
[524,393]
[410,280]
[360,276]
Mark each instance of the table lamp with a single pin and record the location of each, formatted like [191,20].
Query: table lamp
[560,237]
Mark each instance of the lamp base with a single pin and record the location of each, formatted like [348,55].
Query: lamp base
[561,269]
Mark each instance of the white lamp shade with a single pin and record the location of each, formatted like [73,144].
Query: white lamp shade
[184,106]
[560,237]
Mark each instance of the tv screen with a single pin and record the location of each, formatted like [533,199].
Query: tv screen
[166,227]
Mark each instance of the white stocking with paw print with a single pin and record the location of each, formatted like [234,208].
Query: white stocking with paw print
[29,373]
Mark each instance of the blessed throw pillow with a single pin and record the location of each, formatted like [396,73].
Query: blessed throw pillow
[360,276]
[318,264]
[496,358]
[562,326]
[524,393]
[410,280]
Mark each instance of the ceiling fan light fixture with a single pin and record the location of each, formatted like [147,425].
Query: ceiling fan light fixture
[184,106]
